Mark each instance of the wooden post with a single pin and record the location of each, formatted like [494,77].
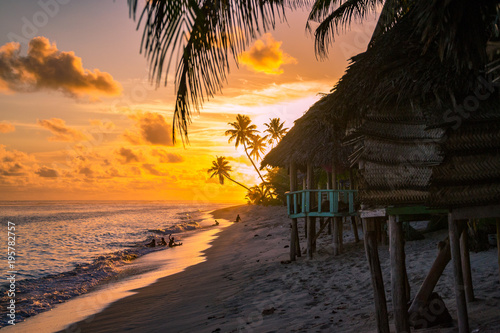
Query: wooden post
[337,222]
[464,247]
[295,233]
[432,278]
[463,319]
[355,229]
[341,235]
[398,283]
[376,276]
[310,221]
[498,246]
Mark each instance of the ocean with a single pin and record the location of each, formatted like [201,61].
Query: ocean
[64,249]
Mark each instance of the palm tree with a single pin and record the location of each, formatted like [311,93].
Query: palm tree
[243,133]
[275,130]
[221,168]
[257,146]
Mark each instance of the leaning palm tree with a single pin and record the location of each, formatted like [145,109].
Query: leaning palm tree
[275,130]
[221,168]
[257,146]
[243,133]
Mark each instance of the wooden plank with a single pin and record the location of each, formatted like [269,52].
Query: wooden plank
[322,227]
[372,213]
[341,235]
[464,248]
[479,212]
[371,252]
[414,210]
[310,221]
[398,282]
[463,319]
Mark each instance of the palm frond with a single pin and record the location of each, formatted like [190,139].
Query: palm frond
[206,34]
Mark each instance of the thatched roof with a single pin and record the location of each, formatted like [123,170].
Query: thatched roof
[315,138]
[409,103]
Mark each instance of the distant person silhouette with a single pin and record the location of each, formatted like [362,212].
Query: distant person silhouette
[216,222]
[162,242]
[238,218]
[152,243]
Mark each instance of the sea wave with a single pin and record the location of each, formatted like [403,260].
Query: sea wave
[41,294]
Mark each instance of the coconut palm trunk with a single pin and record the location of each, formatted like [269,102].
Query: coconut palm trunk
[256,169]
[234,181]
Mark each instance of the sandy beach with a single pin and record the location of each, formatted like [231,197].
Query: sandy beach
[247,285]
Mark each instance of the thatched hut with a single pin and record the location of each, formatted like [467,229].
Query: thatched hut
[429,137]
[315,142]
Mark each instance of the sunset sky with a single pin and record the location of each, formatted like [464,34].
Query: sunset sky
[80,120]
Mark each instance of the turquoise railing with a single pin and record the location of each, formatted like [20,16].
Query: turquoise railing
[299,203]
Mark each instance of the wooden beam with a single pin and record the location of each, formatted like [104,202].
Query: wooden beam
[355,229]
[464,248]
[398,282]
[432,278]
[371,251]
[478,212]
[463,319]
[322,227]
[341,235]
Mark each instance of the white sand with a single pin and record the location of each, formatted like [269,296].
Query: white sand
[244,286]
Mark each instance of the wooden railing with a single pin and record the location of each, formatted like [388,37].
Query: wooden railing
[330,203]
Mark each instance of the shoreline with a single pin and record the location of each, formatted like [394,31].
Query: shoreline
[247,284]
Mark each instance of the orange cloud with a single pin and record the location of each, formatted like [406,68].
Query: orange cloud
[152,129]
[6,127]
[265,55]
[127,155]
[47,68]
[61,131]
[46,172]
[14,163]
[165,157]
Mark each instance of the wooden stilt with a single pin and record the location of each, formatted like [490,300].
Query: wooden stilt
[297,241]
[355,229]
[336,224]
[463,319]
[376,276]
[341,235]
[295,232]
[330,227]
[464,248]
[498,246]
[398,282]
[310,237]
[311,222]
[313,234]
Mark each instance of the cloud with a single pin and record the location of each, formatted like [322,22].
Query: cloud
[152,129]
[152,170]
[265,55]
[6,127]
[14,162]
[46,172]
[47,68]
[127,155]
[61,131]
[165,157]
